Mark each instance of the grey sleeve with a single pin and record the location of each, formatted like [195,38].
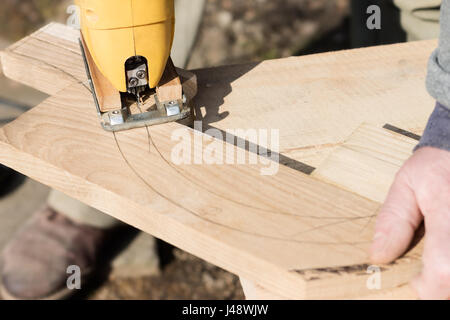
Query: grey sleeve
[437,132]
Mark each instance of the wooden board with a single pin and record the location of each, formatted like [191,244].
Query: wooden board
[277,230]
[316,101]
[366,163]
[169,87]
[108,97]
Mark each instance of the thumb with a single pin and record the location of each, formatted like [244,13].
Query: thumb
[397,221]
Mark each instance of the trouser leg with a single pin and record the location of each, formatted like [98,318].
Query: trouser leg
[420,18]
[80,212]
[188,15]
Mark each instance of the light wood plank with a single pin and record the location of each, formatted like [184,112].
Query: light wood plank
[169,87]
[315,101]
[287,232]
[367,162]
[255,291]
[241,227]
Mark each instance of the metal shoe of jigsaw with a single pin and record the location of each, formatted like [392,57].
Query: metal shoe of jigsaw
[126,46]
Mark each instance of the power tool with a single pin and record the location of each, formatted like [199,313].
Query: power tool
[126,47]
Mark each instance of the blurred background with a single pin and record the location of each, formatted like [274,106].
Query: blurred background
[232,31]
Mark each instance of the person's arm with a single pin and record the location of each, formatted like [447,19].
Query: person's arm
[421,190]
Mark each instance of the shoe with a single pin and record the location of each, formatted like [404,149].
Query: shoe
[36,260]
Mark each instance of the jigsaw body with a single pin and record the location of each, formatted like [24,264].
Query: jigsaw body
[126,46]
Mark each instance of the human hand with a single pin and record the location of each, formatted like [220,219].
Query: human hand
[420,192]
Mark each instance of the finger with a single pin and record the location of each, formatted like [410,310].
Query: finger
[434,281]
[397,221]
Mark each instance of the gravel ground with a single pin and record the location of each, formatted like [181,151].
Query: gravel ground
[186,278]
[20,17]
[233,31]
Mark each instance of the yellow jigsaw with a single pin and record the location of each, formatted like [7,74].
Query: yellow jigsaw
[126,46]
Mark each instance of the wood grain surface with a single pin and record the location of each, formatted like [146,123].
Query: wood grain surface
[296,235]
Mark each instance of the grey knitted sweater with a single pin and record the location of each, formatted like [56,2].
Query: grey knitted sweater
[437,132]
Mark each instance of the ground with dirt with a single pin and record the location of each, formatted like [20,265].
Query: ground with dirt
[236,31]
[233,31]
[186,277]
